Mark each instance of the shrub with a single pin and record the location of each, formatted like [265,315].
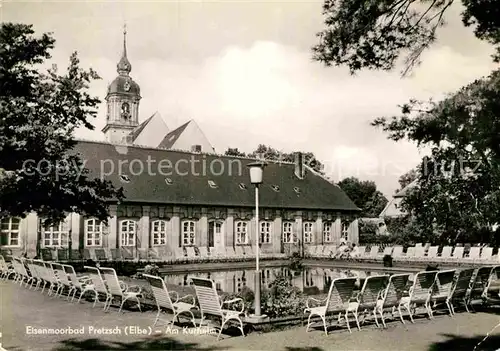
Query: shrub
[282,299]
[296,262]
[152,269]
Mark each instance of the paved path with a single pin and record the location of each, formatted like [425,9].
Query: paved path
[22,309]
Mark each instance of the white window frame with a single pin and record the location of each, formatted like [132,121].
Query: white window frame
[241,232]
[159,232]
[308,228]
[11,233]
[289,236]
[56,236]
[94,236]
[188,233]
[266,232]
[327,232]
[344,230]
[128,233]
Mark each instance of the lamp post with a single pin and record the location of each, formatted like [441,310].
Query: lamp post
[256,170]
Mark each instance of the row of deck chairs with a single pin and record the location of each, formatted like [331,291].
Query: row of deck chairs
[187,254]
[57,279]
[431,253]
[382,294]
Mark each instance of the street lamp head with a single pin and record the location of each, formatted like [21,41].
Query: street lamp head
[256,170]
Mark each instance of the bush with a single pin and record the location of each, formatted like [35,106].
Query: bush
[151,269]
[296,262]
[282,299]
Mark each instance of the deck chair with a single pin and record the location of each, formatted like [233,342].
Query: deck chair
[47,254]
[117,288]
[458,253]
[5,269]
[77,283]
[96,286]
[62,277]
[337,301]
[204,254]
[419,253]
[460,289]
[360,252]
[373,252]
[392,295]
[239,252]
[410,253]
[34,277]
[210,304]
[420,293]
[126,253]
[100,254]
[397,251]
[432,253]
[116,254]
[42,274]
[387,251]
[445,253]
[164,300]
[76,255]
[62,255]
[491,292]
[86,254]
[21,274]
[54,282]
[441,290]
[366,299]
[479,283]
[474,254]
[486,254]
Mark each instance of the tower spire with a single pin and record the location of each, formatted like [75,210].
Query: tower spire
[124,66]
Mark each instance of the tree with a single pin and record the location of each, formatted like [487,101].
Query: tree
[38,114]
[375,33]
[365,195]
[458,192]
[406,179]
[268,153]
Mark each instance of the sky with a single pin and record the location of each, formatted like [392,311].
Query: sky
[243,70]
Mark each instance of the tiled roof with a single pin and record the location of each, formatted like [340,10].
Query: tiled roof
[172,137]
[190,184]
[135,133]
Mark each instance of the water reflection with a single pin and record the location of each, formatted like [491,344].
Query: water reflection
[311,281]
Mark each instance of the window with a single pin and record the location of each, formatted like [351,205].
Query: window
[345,230]
[308,232]
[168,181]
[265,232]
[242,186]
[275,188]
[212,184]
[56,235]
[241,233]
[188,233]
[327,232]
[128,231]
[10,232]
[159,232]
[297,190]
[94,230]
[124,178]
[288,234]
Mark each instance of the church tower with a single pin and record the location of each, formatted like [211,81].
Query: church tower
[122,100]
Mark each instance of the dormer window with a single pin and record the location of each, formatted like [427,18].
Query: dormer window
[168,181]
[124,178]
[243,186]
[212,184]
[172,137]
[296,189]
[275,188]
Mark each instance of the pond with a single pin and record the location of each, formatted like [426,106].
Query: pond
[311,281]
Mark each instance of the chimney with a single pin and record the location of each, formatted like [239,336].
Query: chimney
[196,148]
[300,170]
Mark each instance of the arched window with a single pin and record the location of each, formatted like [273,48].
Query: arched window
[327,232]
[128,232]
[94,230]
[308,232]
[288,234]
[9,231]
[241,232]
[265,232]
[188,234]
[159,232]
[57,235]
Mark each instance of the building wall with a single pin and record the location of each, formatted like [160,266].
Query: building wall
[173,219]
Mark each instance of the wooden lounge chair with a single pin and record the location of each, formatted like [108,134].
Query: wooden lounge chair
[420,293]
[397,252]
[392,295]
[337,301]
[460,289]
[366,299]
[164,300]
[442,289]
[117,288]
[491,293]
[479,283]
[210,304]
